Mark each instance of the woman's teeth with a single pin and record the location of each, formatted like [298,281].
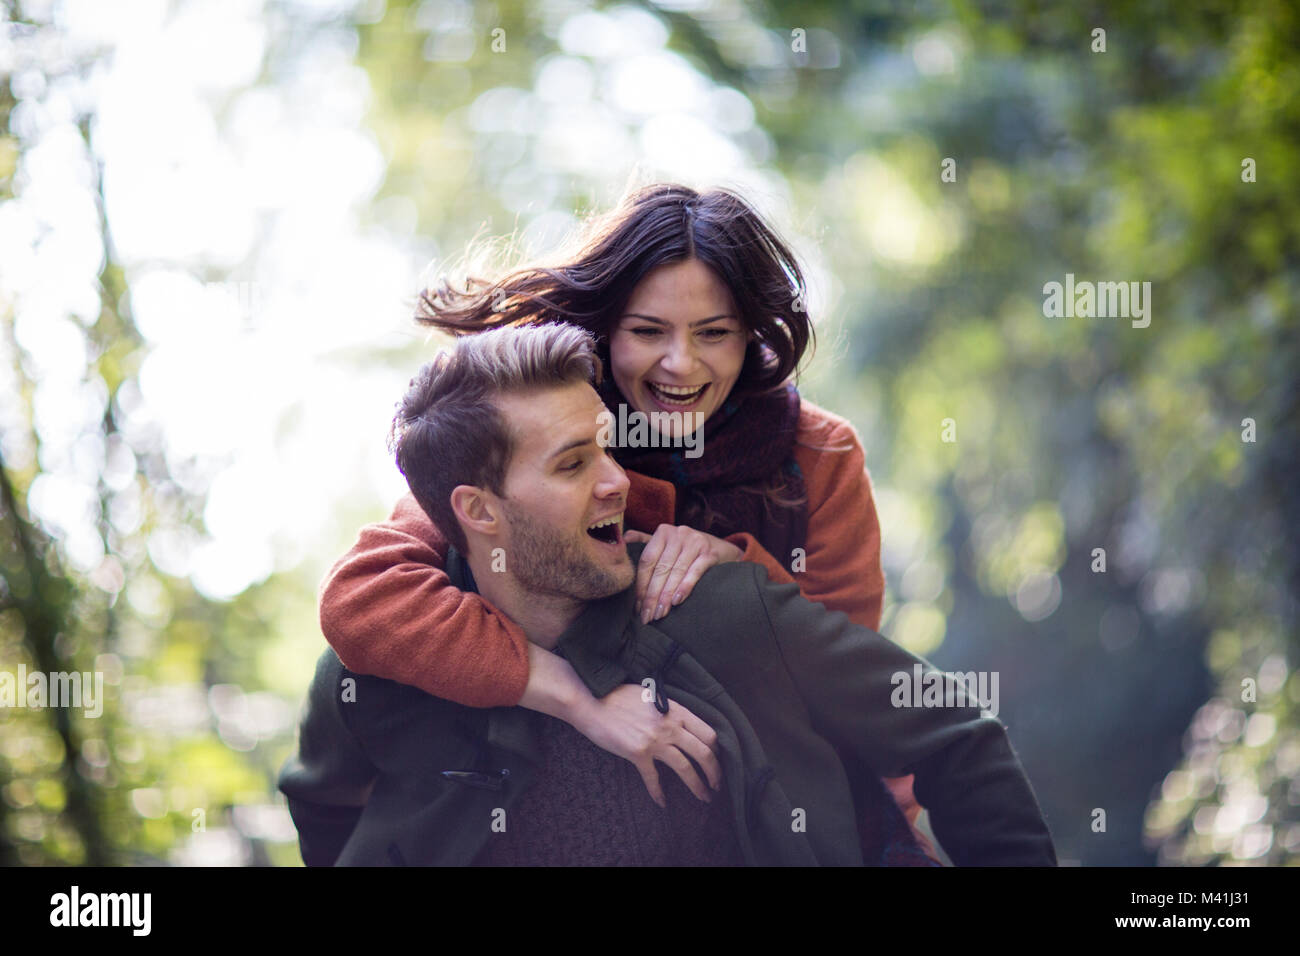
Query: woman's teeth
[677,395]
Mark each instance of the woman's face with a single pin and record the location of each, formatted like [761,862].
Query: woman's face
[679,345]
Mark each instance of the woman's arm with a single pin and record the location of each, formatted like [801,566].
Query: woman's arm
[388,608]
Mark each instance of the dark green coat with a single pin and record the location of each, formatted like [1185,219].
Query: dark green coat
[386,774]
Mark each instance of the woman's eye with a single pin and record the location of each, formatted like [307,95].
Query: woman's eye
[645,332]
[573,466]
[715,334]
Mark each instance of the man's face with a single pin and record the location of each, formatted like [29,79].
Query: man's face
[564,496]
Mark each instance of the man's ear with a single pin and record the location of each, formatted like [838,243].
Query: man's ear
[477,510]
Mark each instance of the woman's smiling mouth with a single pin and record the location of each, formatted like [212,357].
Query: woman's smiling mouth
[678,396]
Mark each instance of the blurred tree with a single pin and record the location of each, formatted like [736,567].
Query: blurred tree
[171,770]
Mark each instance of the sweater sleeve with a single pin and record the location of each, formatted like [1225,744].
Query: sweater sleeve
[388,608]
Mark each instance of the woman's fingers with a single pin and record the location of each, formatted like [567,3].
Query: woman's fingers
[672,562]
[656,572]
[687,558]
[624,723]
[692,577]
[695,739]
[640,537]
[646,566]
[650,777]
[676,760]
[702,754]
[707,737]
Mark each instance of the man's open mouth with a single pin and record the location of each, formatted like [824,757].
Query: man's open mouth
[609,530]
[677,394]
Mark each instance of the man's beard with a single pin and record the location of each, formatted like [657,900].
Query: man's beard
[545,562]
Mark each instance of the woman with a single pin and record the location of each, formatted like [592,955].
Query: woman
[697,308]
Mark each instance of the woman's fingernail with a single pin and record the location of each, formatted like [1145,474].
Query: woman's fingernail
[659,612]
[677,598]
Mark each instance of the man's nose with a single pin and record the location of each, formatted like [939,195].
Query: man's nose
[613,480]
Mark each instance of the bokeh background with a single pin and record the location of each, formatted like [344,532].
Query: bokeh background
[215,214]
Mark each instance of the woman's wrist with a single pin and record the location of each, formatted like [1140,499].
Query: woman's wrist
[554,687]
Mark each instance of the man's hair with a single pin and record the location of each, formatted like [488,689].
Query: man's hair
[448,430]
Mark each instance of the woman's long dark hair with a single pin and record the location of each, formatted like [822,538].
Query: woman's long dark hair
[652,226]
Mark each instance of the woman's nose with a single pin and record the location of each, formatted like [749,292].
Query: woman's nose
[680,359]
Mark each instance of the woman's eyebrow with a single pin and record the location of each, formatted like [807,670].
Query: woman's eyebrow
[659,321]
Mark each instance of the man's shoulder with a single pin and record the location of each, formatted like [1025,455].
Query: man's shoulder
[737,601]
[329,670]
[735,594]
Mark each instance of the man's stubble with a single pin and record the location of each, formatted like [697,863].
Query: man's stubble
[545,562]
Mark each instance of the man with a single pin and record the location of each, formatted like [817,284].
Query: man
[499,442]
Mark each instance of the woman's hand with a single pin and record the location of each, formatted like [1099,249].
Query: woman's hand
[672,562]
[626,725]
